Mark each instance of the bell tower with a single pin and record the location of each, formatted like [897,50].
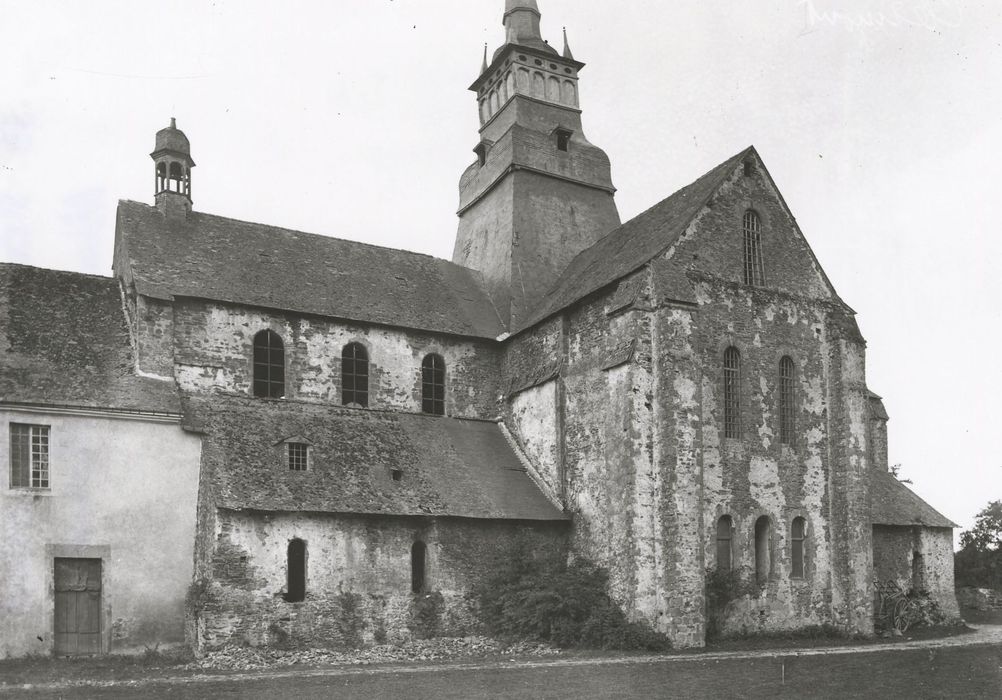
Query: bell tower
[173,163]
[539,192]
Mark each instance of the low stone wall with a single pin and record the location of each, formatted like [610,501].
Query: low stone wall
[985,599]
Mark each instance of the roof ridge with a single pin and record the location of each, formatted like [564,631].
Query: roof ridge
[23,266]
[300,232]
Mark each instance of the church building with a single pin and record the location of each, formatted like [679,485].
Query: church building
[255,435]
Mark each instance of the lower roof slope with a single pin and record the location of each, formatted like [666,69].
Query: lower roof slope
[450,467]
[65,343]
[893,503]
[213,257]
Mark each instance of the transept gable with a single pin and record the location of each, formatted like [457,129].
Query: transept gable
[746,234]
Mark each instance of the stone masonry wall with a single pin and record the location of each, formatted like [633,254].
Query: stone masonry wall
[755,474]
[917,557]
[358,580]
[533,406]
[154,336]
[214,352]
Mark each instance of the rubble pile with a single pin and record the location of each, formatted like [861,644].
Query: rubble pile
[238,658]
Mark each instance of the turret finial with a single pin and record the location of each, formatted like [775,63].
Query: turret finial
[567,47]
[483,69]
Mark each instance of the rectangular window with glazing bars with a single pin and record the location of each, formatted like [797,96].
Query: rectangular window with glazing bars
[786,400]
[299,456]
[29,456]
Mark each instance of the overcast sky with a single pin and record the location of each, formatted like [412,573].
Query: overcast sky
[879,120]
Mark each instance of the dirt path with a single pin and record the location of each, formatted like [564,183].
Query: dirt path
[984,635]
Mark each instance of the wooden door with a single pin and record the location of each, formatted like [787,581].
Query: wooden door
[78,606]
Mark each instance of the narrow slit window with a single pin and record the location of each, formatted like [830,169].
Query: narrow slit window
[418,554]
[29,456]
[732,386]
[786,400]
[798,531]
[433,385]
[918,572]
[296,572]
[724,528]
[763,553]
[269,365]
[299,456]
[355,375]
[753,269]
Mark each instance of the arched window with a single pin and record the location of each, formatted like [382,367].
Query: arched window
[724,527]
[754,273]
[569,94]
[763,553]
[786,400]
[176,177]
[798,532]
[433,385]
[553,89]
[296,572]
[269,365]
[538,85]
[732,386]
[418,551]
[161,177]
[355,375]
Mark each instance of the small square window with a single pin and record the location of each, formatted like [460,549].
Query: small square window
[563,140]
[397,474]
[29,456]
[299,456]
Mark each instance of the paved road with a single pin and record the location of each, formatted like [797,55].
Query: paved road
[968,666]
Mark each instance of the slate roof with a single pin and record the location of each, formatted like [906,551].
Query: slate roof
[633,244]
[65,343]
[451,467]
[893,503]
[877,409]
[222,259]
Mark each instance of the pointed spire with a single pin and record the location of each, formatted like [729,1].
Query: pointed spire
[483,68]
[567,47]
[521,22]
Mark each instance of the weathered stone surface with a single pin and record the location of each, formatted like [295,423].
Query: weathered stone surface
[358,580]
[919,558]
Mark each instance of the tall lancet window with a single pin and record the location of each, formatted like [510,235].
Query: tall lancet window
[732,385]
[786,400]
[754,273]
